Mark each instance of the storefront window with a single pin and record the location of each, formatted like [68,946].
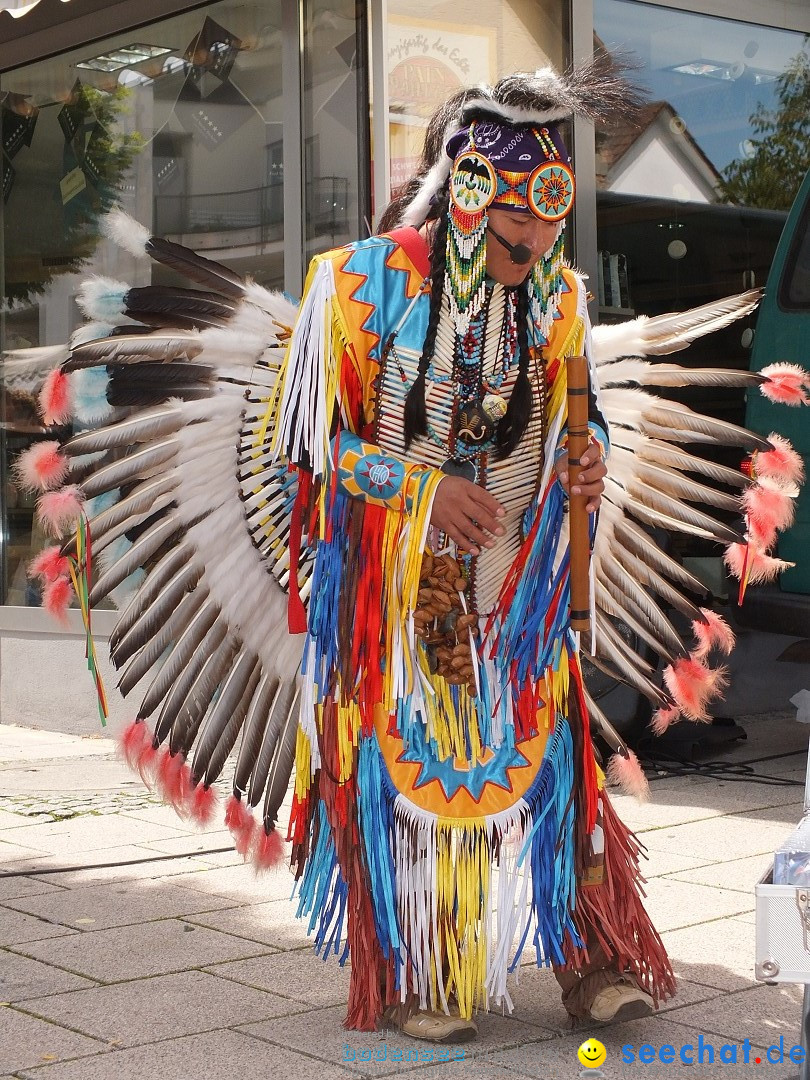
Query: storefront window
[335,125]
[467,43]
[182,122]
[691,201]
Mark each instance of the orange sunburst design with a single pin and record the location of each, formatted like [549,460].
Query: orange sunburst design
[431,797]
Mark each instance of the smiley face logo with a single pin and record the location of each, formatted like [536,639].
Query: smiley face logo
[592,1054]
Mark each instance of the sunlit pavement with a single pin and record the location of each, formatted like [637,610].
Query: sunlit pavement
[191,966]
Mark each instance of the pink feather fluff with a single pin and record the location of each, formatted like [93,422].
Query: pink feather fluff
[241,823]
[663,717]
[761,535]
[147,764]
[203,806]
[786,384]
[626,773]
[41,467]
[713,633]
[59,510]
[772,510]
[693,685]
[173,780]
[49,564]
[56,597]
[782,463]
[54,398]
[269,850]
[132,742]
[760,567]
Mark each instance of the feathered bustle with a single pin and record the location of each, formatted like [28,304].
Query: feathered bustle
[712,633]
[663,717]
[49,564]
[203,805]
[60,510]
[126,232]
[744,562]
[786,384]
[56,597]
[268,851]
[91,331]
[693,685]
[134,740]
[41,467]
[54,399]
[769,508]
[103,299]
[782,464]
[173,780]
[242,825]
[626,773]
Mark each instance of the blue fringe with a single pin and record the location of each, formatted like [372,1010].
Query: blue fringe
[323,891]
[376,818]
[549,847]
[327,582]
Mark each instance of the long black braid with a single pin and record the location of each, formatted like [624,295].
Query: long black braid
[415,411]
[519,410]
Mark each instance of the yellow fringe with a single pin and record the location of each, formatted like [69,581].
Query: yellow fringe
[303,768]
[463,884]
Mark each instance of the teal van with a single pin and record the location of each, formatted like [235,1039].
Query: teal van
[783,334]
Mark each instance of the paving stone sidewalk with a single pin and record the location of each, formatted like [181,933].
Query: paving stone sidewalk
[153,952]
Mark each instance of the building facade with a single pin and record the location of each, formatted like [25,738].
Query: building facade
[263,131]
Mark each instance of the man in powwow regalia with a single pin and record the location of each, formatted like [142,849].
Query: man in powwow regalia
[351,521]
[448,803]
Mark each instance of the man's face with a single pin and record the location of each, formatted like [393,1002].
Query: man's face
[536,234]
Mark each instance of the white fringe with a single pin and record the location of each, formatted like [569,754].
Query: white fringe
[304,413]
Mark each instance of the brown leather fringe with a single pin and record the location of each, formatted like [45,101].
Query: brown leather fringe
[613,914]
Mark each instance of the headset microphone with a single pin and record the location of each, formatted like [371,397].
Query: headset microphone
[518,253]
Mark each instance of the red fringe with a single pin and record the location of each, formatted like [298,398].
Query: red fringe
[613,913]
[241,823]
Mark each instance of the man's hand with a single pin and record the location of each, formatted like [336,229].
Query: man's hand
[591,479]
[467,514]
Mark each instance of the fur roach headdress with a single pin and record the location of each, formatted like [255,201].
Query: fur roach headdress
[499,147]
[596,90]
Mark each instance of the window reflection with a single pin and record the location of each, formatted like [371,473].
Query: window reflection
[182,123]
[460,45]
[691,201]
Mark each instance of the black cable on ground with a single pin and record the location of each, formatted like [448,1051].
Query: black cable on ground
[668,765]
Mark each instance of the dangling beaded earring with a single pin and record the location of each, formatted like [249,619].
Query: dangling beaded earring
[473,186]
[545,287]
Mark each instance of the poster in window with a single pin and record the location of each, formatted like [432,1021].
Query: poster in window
[427,62]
